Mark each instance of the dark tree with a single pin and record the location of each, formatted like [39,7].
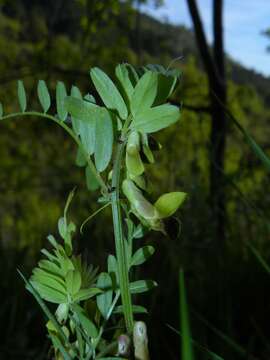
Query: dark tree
[214,64]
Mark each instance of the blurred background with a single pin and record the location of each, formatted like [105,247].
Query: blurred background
[221,49]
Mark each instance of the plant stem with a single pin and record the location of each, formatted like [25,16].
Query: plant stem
[71,133]
[119,239]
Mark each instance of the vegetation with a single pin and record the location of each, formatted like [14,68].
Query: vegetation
[37,173]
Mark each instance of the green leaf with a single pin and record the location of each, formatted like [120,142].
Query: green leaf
[48,293]
[104,140]
[44,96]
[87,325]
[50,267]
[167,204]
[104,300]
[108,92]
[82,110]
[75,93]
[61,94]
[141,286]
[122,75]
[186,348]
[21,96]
[136,309]
[44,308]
[155,119]
[80,158]
[91,181]
[85,294]
[166,86]
[144,93]
[113,270]
[1,110]
[139,232]
[46,278]
[84,116]
[73,281]
[141,255]
[59,346]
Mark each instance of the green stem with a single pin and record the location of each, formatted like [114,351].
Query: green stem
[119,239]
[71,133]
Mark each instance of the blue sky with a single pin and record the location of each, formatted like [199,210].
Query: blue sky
[244,20]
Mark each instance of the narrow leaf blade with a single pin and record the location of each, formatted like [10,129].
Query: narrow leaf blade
[44,96]
[21,96]
[108,92]
[61,94]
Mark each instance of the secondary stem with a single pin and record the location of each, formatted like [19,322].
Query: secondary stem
[119,240]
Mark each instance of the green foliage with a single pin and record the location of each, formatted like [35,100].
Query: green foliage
[62,278]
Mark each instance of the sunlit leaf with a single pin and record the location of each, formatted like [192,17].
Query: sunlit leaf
[108,92]
[155,119]
[144,93]
[122,75]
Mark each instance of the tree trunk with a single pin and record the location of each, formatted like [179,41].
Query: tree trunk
[215,69]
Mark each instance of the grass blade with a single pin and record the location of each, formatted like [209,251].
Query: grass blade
[186,346]
[229,341]
[211,354]
[259,258]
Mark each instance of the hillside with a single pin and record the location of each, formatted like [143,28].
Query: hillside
[157,37]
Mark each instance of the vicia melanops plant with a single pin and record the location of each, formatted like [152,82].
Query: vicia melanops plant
[134,107]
